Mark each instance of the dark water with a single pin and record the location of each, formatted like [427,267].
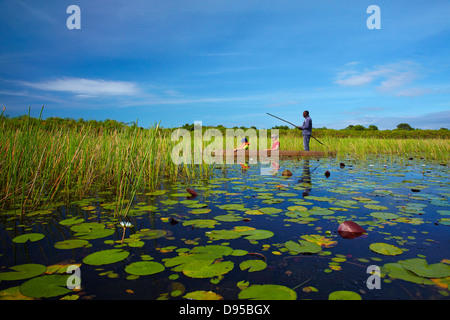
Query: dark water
[416,193]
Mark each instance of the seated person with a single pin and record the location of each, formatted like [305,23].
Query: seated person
[245,145]
[275,143]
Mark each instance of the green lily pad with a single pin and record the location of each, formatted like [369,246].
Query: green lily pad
[253,265]
[297,208]
[46,286]
[239,207]
[203,295]
[421,268]
[385,249]
[231,217]
[201,223]
[105,257]
[344,295]
[144,268]
[200,211]
[303,246]
[267,292]
[147,234]
[32,237]
[396,271]
[270,210]
[23,271]
[71,244]
[384,215]
[71,221]
[375,207]
[200,262]
[207,269]
[91,230]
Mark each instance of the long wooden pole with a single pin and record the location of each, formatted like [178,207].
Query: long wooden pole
[294,126]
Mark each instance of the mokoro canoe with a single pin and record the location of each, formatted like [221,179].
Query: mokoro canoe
[281,153]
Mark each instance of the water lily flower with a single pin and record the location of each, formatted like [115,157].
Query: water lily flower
[125,224]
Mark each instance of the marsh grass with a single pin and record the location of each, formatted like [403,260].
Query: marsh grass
[41,165]
[431,148]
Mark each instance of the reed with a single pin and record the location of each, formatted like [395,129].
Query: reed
[41,166]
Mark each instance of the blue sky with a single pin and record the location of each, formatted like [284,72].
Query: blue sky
[228,62]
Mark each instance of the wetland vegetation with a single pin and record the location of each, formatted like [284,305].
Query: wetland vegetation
[106,198]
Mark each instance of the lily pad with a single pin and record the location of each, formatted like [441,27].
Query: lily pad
[344,295]
[71,244]
[71,221]
[200,211]
[46,286]
[302,246]
[385,249]
[201,223]
[105,257]
[267,292]
[91,230]
[144,268]
[231,217]
[203,295]
[253,265]
[147,234]
[32,237]
[421,268]
[23,271]
[207,269]
[384,215]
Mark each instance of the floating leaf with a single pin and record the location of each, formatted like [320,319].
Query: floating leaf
[253,265]
[320,240]
[297,208]
[23,271]
[71,221]
[375,207]
[147,234]
[231,217]
[203,295]
[270,210]
[384,215]
[144,268]
[71,244]
[91,230]
[207,269]
[267,292]
[421,268]
[201,223]
[303,246]
[344,295]
[32,237]
[386,249]
[200,211]
[105,257]
[45,287]
[239,207]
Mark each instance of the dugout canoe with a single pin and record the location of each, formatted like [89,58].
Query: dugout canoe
[281,153]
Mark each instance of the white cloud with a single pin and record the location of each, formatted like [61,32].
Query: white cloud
[86,87]
[390,79]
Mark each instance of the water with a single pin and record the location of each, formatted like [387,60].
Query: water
[416,194]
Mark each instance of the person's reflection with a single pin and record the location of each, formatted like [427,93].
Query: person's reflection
[305,180]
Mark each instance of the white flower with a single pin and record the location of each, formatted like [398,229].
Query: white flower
[125,224]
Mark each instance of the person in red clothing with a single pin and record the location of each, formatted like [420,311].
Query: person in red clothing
[275,143]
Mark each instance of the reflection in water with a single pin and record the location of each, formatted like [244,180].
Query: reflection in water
[306,177]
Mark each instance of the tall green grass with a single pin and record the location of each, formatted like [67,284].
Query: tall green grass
[40,166]
[432,149]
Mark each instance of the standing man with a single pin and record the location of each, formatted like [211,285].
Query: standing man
[306,130]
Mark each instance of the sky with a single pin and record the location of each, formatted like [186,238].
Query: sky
[228,62]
